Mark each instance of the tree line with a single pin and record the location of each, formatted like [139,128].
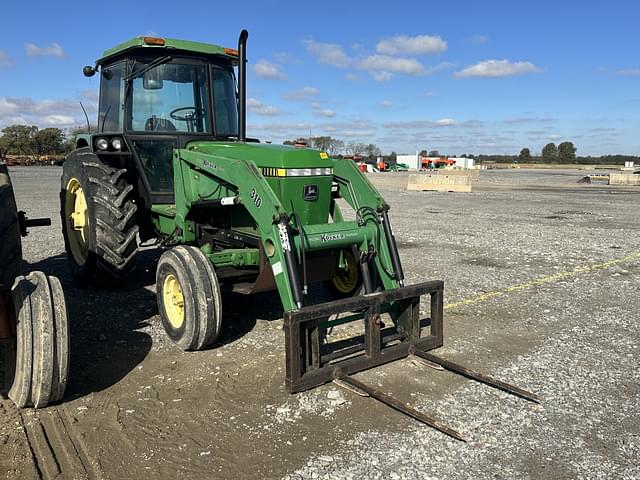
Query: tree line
[338,148]
[552,153]
[25,140]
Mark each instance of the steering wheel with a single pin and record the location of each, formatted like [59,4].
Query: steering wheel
[195,114]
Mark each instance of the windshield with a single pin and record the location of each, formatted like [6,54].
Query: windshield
[172,97]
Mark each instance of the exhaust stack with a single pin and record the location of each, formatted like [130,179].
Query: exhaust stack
[242,86]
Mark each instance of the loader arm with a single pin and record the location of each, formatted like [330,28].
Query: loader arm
[197,178]
[370,207]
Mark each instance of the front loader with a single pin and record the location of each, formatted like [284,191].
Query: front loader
[170,162]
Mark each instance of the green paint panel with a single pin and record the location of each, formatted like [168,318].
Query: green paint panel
[170,44]
[235,257]
[265,155]
[290,190]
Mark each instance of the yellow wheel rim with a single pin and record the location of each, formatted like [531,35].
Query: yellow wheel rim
[173,301]
[346,279]
[77,224]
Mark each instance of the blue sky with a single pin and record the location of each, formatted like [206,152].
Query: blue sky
[456,76]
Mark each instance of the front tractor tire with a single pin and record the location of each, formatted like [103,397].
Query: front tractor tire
[98,220]
[347,278]
[189,299]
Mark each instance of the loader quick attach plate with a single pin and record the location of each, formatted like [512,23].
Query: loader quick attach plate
[310,362]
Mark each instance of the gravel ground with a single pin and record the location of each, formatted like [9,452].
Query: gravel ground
[542,283]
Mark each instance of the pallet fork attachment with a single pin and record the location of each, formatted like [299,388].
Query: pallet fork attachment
[310,362]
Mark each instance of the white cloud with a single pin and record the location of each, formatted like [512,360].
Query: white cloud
[282,129]
[384,63]
[357,133]
[259,108]
[439,67]
[53,50]
[479,39]
[418,45]
[51,113]
[445,122]
[355,125]
[518,120]
[284,57]
[8,106]
[422,124]
[625,72]
[327,113]
[386,103]
[5,60]
[324,112]
[268,70]
[305,93]
[382,76]
[327,53]
[352,77]
[497,68]
[91,95]
[58,120]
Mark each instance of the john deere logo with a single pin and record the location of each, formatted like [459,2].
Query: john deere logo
[310,193]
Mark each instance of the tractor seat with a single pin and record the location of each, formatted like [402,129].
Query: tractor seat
[158,124]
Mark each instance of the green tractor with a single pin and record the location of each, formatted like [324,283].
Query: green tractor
[170,161]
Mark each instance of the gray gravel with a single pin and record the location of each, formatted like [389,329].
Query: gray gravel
[572,338]
[573,341]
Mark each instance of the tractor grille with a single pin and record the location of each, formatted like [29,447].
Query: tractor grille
[297,172]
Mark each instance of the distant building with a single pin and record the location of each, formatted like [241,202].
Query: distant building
[412,160]
[419,162]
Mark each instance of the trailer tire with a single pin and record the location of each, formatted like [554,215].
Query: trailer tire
[20,391]
[10,243]
[42,346]
[98,220]
[61,340]
[189,299]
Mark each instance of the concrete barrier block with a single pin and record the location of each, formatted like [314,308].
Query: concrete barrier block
[439,183]
[624,179]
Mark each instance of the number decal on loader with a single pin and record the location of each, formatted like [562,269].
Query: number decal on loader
[256,198]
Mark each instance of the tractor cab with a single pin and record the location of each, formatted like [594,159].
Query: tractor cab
[157,95]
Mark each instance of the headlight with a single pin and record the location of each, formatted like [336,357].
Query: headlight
[116,143]
[102,144]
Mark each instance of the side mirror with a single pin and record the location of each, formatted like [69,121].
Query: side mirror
[89,71]
[152,79]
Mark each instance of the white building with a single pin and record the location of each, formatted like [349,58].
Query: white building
[412,160]
[462,162]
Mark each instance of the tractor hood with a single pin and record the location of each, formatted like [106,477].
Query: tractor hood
[265,155]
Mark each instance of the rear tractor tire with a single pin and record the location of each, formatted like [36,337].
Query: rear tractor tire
[189,299]
[42,344]
[98,220]
[10,242]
